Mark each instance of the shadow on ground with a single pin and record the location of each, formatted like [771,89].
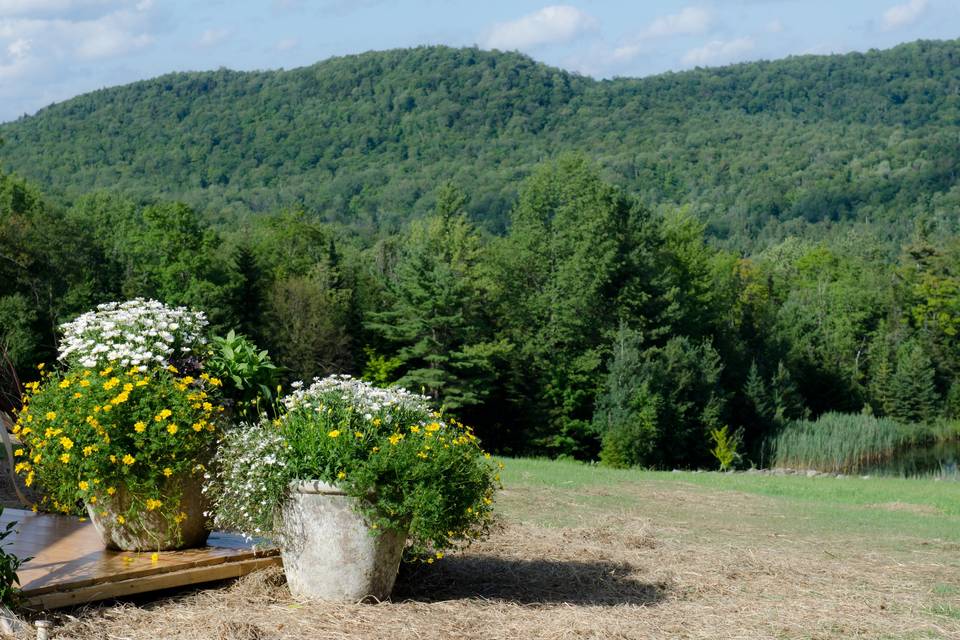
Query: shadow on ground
[526,582]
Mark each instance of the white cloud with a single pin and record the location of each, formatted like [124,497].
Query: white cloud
[718,52]
[213,37]
[775,26]
[690,21]
[903,14]
[550,25]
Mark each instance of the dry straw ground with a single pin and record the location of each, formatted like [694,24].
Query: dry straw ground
[642,559]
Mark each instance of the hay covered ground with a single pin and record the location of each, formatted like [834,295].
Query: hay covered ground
[584,552]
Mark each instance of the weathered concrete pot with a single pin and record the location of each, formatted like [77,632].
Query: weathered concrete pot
[151,531]
[329,551]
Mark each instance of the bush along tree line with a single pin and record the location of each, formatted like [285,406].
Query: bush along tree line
[592,327]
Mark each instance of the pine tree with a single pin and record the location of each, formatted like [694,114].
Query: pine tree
[913,391]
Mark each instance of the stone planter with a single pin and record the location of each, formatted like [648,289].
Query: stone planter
[151,531]
[329,551]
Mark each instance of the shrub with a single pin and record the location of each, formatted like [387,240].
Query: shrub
[9,563]
[409,468]
[88,432]
[249,376]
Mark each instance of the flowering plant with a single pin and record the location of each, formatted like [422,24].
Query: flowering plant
[138,333]
[89,434]
[410,469]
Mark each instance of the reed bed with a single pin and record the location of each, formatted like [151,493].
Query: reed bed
[850,443]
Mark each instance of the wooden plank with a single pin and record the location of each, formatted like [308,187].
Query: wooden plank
[68,557]
[124,588]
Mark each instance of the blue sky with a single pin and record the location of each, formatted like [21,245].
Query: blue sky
[51,50]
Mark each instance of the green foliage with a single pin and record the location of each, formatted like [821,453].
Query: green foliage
[9,563]
[249,376]
[725,447]
[379,369]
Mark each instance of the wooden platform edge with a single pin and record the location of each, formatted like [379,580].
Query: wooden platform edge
[133,586]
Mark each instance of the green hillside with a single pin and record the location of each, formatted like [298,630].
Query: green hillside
[759,151]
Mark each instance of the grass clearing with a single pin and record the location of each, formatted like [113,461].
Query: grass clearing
[589,552]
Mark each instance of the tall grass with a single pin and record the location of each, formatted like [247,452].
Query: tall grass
[849,443]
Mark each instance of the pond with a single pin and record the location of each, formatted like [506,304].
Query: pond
[938,460]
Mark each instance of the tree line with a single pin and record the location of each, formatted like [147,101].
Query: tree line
[593,326]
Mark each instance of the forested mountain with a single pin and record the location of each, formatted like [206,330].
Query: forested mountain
[758,151]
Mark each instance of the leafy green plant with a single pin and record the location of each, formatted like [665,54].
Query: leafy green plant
[410,469]
[248,374]
[9,563]
[725,446]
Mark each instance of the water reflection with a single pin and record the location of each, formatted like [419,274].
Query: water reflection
[938,460]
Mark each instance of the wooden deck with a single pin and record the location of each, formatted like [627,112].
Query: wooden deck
[70,565]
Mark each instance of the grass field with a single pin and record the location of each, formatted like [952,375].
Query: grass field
[588,552]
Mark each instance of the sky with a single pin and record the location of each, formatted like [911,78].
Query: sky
[51,50]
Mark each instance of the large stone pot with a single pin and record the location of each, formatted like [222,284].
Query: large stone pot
[329,550]
[151,531]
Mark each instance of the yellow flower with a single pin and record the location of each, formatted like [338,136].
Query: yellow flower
[111,491]
[415,429]
[113,458]
[341,475]
[140,427]
[84,485]
[29,479]
[142,382]
[168,471]
[207,406]
[18,452]
[154,557]
[163,415]
[84,383]
[422,455]
[40,366]
[172,429]
[395,438]
[36,459]
[153,504]
[66,443]
[188,380]
[107,407]
[93,499]
[111,383]
[334,434]
[180,517]
[77,395]
[65,458]
[128,387]
[439,555]
[128,459]
[198,426]
[121,520]
[172,369]
[51,415]
[433,426]
[215,382]
[65,383]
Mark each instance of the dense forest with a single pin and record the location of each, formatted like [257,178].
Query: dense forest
[605,270]
[758,151]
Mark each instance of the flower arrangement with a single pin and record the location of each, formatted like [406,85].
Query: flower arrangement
[136,333]
[89,435]
[410,469]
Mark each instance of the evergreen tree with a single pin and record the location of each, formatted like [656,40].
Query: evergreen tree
[913,391]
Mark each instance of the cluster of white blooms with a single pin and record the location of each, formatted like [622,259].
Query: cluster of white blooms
[251,473]
[136,333]
[360,395]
